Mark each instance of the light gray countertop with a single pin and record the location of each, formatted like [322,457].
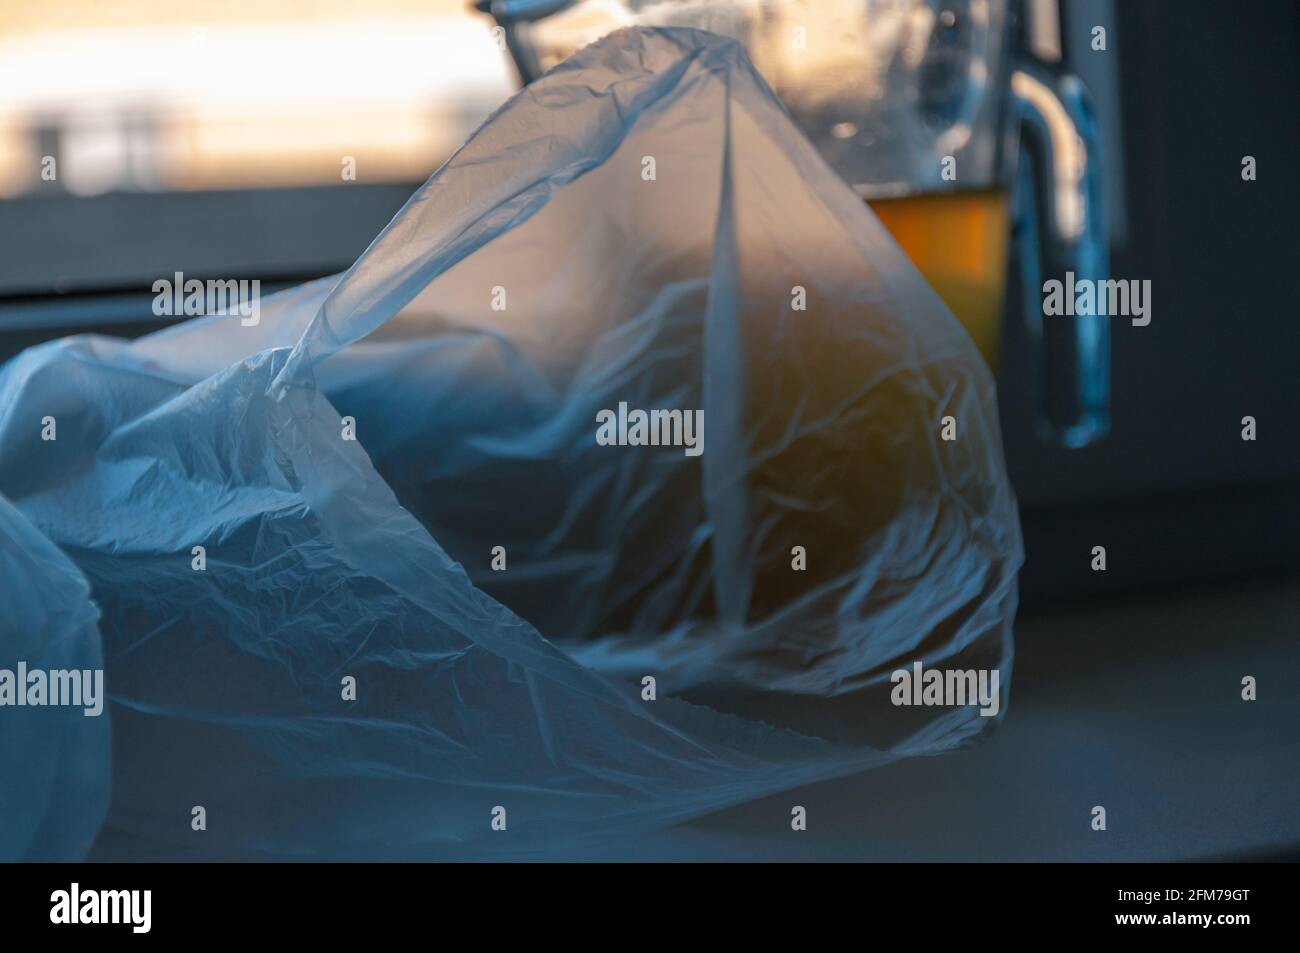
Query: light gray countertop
[1135,706]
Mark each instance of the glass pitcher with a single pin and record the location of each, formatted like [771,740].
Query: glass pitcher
[959,140]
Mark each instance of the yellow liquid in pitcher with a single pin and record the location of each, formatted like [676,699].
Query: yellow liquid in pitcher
[958,241]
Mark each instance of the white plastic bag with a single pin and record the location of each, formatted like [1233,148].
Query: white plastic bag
[644,226]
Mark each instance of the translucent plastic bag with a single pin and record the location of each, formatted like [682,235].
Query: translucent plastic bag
[642,226]
[54,759]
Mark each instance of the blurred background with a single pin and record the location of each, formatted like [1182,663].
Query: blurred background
[211,136]
[216,139]
[185,96]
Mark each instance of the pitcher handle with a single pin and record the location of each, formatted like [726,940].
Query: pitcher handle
[1059,228]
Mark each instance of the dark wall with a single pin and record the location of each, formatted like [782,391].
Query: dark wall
[1174,490]
[1202,83]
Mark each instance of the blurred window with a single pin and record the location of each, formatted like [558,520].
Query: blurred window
[140,137]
